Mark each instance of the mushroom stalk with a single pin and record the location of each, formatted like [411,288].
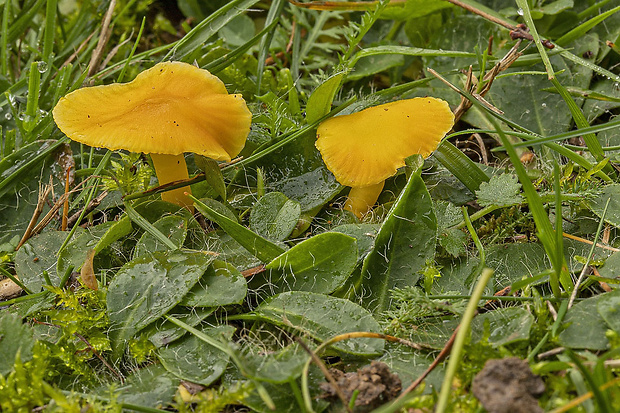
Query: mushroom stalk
[361,200]
[170,168]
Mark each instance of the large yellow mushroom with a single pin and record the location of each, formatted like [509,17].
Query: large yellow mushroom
[165,111]
[363,149]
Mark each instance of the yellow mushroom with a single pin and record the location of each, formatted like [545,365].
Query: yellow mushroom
[363,149]
[165,111]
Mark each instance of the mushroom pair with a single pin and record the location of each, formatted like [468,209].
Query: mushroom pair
[363,149]
[165,111]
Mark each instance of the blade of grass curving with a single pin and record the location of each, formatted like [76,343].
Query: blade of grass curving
[459,164]
[273,16]
[287,138]
[541,219]
[24,21]
[593,144]
[527,16]
[260,247]
[459,341]
[576,158]
[4,40]
[406,51]
[603,402]
[561,136]
[50,31]
[133,50]
[225,348]
[224,61]
[592,9]
[148,227]
[207,28]
[583,62]
[583,28]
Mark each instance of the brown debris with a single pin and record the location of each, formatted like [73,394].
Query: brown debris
[375,385]
[508,386]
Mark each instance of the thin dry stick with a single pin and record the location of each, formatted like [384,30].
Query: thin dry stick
[586,241]
[104,36]
[442,355]
[94,203]
[65,209]
[576,402]
[326,373]
[36,214]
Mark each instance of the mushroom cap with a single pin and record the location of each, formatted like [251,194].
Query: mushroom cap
[169,109]
[369,146]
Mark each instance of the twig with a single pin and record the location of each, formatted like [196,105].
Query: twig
[89,208]
[442,355]
[36,214]
[326,373]
[104,36]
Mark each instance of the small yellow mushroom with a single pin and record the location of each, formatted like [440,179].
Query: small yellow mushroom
[165,111]
[363,149]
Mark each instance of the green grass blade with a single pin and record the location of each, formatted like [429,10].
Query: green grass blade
[583,28]
[543,225]
[4,39]
[50,31]
[594,146]
[193,40]
[459,164]
[260,247]
[406,51]
[272,16]
[148,227]
[459,341]
[527,16]
[224,61]
[133,50]
[25,20]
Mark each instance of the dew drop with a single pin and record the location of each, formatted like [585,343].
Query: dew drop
[544,105]
[8,116]
[42,67]
[520,12]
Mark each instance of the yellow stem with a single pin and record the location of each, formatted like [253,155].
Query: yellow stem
[361,200]
[170,168]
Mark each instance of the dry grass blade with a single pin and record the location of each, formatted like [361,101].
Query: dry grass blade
[104,36]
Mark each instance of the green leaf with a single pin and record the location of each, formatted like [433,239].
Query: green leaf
[585,326]
[260,247]
[39,255]
[319,264]
[164,332]
[364,234]
[405,242]
[412,9]
[15,338]
[502,190]
[173,227]
[275,216]
[222,284]
[608,307]
[147,287]
[150,386]
[320,101]
[323,317]
[194,360]
[276,367]
[597,205]
[463,168]
[502,326]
